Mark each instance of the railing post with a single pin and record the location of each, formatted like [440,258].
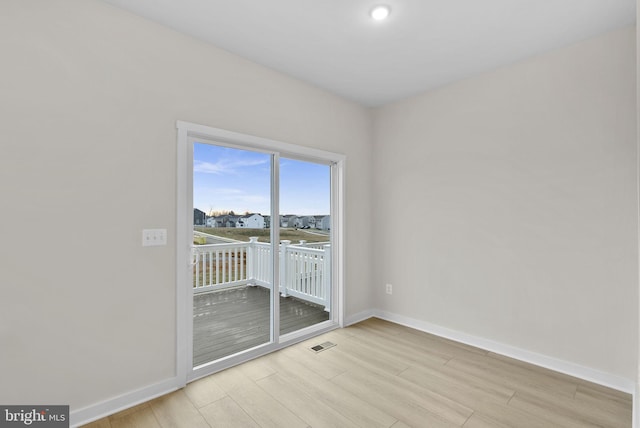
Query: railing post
[283,267]
[251,259]
[196,274]
[326,277]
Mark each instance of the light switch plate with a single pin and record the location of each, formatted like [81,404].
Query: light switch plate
[154,237]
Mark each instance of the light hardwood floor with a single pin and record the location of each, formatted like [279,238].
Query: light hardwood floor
[383,375]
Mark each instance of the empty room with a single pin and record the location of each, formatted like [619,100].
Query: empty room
[291,213]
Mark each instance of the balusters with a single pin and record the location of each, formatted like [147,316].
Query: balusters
[305,271]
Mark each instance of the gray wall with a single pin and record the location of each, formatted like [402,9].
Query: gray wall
[522,184]
[89,100]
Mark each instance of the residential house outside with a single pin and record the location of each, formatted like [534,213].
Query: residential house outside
[231,220]
[308,221]
[258,221]
[251,221]
[199,217]
[226,220]
[288,220]
[323,222]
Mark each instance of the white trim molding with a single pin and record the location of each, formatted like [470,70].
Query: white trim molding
[585,373]
[188,133]
[360,316]
[238,139]
[122,402]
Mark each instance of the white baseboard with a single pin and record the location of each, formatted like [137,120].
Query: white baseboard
[121,402]
[360,316]
[606,379]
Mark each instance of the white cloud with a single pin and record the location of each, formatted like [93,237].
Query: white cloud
[226,166]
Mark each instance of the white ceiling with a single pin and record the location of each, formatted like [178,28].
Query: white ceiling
[424,44]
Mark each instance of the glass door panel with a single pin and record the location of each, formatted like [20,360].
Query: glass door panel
[305,244]
[232,274]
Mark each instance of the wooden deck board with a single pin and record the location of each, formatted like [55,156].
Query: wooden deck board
[232,320]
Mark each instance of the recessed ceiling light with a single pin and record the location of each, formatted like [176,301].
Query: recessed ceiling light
[380,12]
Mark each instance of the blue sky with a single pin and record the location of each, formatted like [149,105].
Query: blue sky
[239,180]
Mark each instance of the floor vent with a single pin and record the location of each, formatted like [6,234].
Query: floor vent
[323,346]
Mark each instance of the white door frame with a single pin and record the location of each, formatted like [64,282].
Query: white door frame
[184,236]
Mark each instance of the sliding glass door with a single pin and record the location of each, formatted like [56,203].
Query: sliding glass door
[257,238]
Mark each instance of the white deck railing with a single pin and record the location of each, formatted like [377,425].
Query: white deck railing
[219,264]
[305,269]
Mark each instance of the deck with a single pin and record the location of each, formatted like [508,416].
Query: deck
[235,319]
